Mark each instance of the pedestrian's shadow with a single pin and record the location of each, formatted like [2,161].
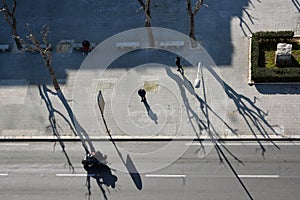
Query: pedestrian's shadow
[97,168]
[200,126]
[150,112]
[98,171]
[184,84]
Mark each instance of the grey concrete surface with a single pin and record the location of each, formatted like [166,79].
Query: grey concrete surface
[222,28]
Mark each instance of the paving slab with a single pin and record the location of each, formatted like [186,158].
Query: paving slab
[222,28]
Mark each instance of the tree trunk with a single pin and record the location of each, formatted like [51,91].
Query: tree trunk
[192,31]
[53,76]
[15,34]
[147,13]
[11,20]
[18,42]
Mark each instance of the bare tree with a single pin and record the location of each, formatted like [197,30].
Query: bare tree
[9,15]
[192,13]
[146,8]
[45,52]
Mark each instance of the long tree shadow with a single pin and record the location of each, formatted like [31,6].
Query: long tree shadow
[203,125]
[93,164]
[254,117]
[185,84]
[199,126]
[43,90]
[90,167]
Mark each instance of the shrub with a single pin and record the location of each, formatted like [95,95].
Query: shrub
[261,74]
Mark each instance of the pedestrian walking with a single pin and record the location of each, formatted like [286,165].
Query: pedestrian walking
[85,46]
[142,94]
[178,64]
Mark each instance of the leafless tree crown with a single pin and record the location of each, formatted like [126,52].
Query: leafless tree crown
[9,16]
[45,52]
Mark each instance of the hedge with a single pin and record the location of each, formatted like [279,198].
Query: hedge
[261,74]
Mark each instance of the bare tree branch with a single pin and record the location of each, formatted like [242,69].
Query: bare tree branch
[199,4]
[45,52]
[14,8]
[142,4]
[146,8]
[192,14]
[11,20]
[45,32]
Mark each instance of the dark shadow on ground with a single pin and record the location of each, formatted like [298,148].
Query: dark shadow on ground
[84,137]
[150,112]
[214,25]
[44,93]
[253,116]
[284,88]
[97,168]
[296,4]
[199,125]
[204,125]
[27,66]
[133,172]
[213,30]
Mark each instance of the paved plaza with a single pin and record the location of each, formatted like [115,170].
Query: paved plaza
[224,103]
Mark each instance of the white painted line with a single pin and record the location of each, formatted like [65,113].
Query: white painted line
[259,176]
[290,177]
[245,143]
[74,175]
[4,174]
[14,144]
[164,176]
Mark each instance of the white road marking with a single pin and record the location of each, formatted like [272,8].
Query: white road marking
[164,176]
[245,143]
[259,176]
[74,175]
[4,174]
[14,144]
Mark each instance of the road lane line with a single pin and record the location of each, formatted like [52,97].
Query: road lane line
[4,174]
[258,176]
[246,144]
[74,175]
[14,144]
[164,176]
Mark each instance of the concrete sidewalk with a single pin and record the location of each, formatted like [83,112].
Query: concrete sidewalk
[176,109]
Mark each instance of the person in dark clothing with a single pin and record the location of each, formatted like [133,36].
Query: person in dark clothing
[85,46]
[178,64]
[142,94]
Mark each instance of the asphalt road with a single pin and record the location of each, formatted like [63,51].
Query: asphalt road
[38,171]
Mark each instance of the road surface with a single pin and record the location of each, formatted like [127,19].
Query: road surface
[38,171]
